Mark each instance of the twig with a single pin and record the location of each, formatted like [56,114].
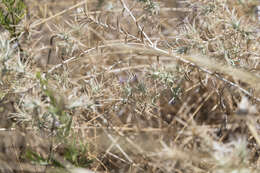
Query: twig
[120,10]
[58,14]
[120,30]
[158,52]
[139,27]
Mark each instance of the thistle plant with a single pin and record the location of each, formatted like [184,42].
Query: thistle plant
[60,118]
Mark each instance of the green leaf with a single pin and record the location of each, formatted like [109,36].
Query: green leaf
[35,157]
[11,14]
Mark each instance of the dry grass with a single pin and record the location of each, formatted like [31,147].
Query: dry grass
[131,86]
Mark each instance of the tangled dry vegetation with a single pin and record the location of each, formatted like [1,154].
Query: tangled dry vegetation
[132,86]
